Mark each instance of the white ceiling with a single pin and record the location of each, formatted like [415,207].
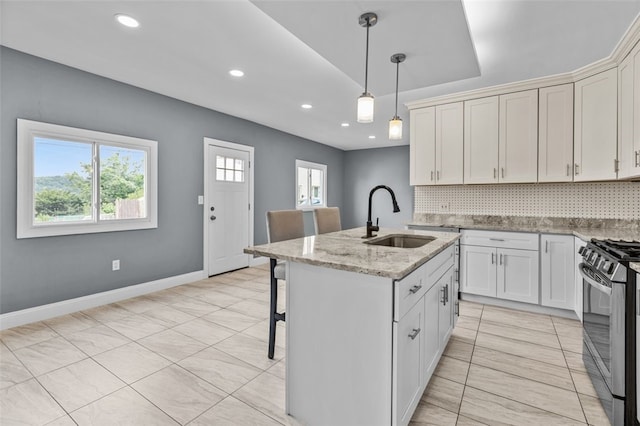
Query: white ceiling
[312,51]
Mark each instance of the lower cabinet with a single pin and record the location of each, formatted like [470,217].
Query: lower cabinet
[445,307]
[408,342]
[499,272]
[557,268]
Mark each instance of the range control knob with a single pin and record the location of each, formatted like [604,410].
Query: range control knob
[607,267]
[581,250]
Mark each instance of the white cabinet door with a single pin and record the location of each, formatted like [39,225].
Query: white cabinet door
[481,140]
[557,266]
[445,320]
[629,115]
[478,270]
[449,144]
[595,143]
[518,137]
[408,342]
[555,134]
[431,329]
[518,275]
[422,146]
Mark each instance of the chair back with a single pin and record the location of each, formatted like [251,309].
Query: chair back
[284,225]
[327,219]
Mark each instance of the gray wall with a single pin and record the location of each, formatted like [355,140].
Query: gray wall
[38,271]
[364,169]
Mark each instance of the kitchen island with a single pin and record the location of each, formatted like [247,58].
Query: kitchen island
[366,324]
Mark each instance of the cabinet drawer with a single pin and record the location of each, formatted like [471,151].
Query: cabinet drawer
[408,291]
[437,266]
[514,240]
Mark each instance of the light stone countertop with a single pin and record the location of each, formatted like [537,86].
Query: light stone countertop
[585,229]
[635,266]
[346,250]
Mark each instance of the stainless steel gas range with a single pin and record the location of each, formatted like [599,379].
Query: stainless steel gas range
[609,309]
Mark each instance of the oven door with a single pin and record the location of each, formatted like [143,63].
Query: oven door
[596,311]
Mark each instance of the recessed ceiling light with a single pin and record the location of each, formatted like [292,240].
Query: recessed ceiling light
[372,137]
[306,106]
[344,124]
[127,20]
[236,73]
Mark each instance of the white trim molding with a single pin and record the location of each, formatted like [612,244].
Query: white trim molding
[52,310]
[622,49]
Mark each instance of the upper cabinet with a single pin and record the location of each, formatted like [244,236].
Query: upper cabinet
[501,138]
[595,127]
[555,134]
[481,140]
[518,137]
[436,145]
[422,146]
[629,116]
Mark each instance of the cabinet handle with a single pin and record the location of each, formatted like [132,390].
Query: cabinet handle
[446,293]
[501,258]
[496,239]
[457,275]
[492,254]
[546,246]
[432,175]
[576,170]
[615,165]
[438,175]
[444,296]
[415,288]
[414,333]
[637,158]
[502,172]
[457,308]
[494,172]
[568,170]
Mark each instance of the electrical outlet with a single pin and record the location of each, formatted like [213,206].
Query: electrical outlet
[115,265]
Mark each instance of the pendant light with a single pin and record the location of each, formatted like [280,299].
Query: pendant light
[365,101]
[395,124]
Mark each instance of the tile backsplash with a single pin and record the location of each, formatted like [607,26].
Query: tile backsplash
[603,200]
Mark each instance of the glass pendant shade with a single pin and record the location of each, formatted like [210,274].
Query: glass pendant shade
[395,128]
[365,108]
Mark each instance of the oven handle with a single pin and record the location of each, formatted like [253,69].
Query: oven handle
[592,282]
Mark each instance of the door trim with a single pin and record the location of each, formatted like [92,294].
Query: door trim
[224,144]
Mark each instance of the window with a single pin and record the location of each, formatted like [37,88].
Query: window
[311,185]
[76,181]
[229,169]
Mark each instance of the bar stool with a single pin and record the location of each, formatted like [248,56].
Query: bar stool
[281,225]
[326,219]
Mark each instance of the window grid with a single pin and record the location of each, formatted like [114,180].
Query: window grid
[229,169]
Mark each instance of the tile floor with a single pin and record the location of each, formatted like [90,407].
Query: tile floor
[196,354]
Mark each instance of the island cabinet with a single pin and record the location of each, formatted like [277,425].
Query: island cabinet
[436,145]
[595,127]
[362,348]
[500,264]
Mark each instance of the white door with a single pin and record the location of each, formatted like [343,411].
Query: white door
[518,137]
[478,270]
[228,209]
[518,275]
[481,140]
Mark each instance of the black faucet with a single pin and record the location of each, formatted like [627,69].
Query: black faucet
[370,227]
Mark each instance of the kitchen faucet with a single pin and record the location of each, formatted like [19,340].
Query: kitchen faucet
[370,226]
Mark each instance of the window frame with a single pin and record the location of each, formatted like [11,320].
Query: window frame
[26,227]
[316,166]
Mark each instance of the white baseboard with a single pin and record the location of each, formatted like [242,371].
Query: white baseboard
[51,310]
[520,306]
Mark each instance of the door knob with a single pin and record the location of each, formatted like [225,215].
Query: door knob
[213,217]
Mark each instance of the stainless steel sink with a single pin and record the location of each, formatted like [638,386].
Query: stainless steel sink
[401,240]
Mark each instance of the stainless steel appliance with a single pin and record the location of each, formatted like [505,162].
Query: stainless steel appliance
[609,309]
